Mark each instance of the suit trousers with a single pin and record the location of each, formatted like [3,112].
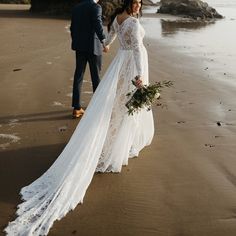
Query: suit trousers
[95,63]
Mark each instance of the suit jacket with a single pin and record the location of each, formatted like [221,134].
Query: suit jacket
[86,27]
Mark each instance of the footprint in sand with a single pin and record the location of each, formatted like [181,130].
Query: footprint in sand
[181,122]
[231,124]
[87,81]
[7,139]
[58,104]
[209,145]
[62,129]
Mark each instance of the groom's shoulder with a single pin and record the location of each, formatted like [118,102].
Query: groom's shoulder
[84,4]
[88,6]
[95,5]
[95,8]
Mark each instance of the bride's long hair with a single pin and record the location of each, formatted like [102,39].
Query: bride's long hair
[126,6]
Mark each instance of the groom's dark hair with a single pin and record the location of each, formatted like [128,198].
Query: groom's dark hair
[126,6]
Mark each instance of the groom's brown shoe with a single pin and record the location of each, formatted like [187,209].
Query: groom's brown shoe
[77,113]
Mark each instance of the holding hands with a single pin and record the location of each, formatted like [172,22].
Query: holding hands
[106,48]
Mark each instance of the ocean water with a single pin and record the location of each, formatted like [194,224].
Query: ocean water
[214,43]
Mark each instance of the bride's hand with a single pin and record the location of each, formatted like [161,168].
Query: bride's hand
[106,48]
[138,82]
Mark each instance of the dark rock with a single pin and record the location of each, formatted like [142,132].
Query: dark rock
[15,1]
[64,7]
[109,7]
[53,6]
[195,9]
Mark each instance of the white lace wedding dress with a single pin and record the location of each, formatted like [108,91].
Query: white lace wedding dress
[102,142]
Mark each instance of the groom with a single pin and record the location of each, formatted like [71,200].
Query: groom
[88,42]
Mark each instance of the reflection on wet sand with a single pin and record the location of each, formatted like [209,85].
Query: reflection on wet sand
[170,27]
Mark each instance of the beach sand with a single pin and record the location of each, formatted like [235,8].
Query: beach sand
[183,184]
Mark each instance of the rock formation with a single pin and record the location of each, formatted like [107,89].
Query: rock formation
[15,1]
[65,6]
[195,9]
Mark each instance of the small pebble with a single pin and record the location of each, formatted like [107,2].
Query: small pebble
[17,69]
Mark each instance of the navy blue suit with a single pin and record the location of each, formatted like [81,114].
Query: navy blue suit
[87,36]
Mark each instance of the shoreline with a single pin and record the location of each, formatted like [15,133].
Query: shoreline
[182,184]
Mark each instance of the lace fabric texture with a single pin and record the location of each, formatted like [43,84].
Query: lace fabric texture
[102,142]
[130,35]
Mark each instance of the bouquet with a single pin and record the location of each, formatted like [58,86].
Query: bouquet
[145,96]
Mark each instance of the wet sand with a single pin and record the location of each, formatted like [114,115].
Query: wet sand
[182,184]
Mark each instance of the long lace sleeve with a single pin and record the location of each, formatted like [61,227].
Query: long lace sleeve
[136,44]
[111,35]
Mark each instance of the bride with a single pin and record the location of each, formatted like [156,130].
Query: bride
[104,139]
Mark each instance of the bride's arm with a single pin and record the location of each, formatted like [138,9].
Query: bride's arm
[111,36]
[136,43]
